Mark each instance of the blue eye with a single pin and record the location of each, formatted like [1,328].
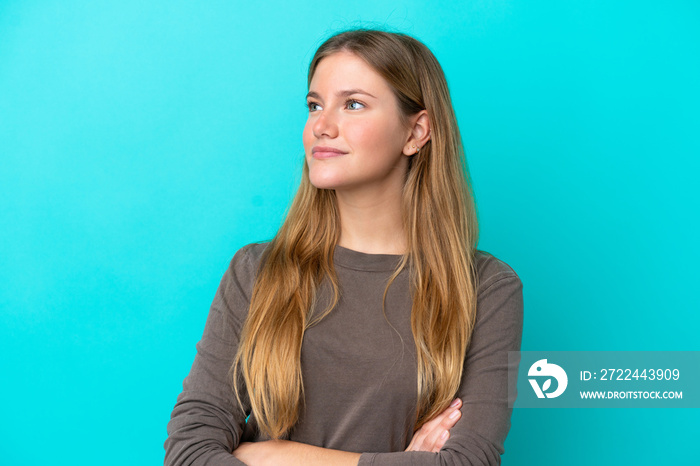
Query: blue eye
[351,102]
[310,105]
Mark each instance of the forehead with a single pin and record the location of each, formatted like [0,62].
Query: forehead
[345,70]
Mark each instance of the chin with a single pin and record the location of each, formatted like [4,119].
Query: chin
[325,182]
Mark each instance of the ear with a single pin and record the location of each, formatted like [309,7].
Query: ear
[420,133]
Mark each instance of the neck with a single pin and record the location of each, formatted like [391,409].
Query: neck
[371,222]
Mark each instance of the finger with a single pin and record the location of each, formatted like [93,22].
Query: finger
[433,434]
[440,418]
[418,439]
[446,419]
[453,415]
[435,428]
[440,442]
[439,435]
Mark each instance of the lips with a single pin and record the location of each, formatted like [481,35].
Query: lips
[324,152]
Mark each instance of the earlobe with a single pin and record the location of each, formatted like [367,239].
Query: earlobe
[414,148]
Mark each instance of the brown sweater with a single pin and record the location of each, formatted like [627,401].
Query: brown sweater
[359,371]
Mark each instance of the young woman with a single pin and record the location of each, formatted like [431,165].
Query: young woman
[357,334]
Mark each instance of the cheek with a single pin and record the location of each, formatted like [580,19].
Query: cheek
[307,136]
[378,140]
[367,135]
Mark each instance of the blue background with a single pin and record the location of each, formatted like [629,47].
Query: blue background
[143,143]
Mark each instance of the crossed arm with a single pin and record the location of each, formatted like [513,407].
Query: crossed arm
[430,437]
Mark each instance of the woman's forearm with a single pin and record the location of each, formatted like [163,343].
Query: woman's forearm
[288,453]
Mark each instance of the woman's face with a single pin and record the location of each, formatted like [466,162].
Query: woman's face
[353,110]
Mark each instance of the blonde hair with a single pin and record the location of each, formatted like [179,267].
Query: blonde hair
[439,218]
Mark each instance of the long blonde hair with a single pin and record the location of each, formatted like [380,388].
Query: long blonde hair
[439,217]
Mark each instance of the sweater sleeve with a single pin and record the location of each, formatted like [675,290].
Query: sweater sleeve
[206,423]
[478,436]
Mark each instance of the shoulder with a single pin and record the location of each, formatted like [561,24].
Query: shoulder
[239,278]
[490,270]
[499,297]
[247,259]
[499,303]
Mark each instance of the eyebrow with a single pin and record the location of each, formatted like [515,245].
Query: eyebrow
[344,93]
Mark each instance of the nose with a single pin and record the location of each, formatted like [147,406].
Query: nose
[325,125]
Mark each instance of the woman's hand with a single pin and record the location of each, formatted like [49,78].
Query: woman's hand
[433,434]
